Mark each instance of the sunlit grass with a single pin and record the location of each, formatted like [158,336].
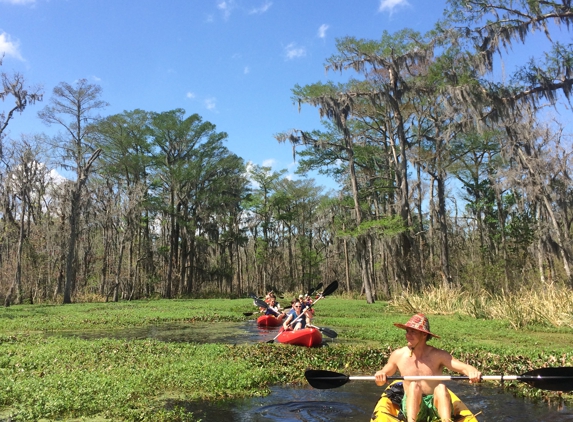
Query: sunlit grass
[122,380]
[120,314]
[549,306]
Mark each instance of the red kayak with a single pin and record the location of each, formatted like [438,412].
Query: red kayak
[307,337]
[269,321]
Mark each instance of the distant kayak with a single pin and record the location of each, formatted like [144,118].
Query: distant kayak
[307,337]
[269,321]
[387,408]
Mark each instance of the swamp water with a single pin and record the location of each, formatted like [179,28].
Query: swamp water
[351,402]
[356,400]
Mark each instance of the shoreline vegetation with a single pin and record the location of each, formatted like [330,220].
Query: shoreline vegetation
[57,377]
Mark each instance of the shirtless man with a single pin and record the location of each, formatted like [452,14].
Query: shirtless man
[427,399]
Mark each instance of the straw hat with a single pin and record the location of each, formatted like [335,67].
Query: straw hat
[418,322]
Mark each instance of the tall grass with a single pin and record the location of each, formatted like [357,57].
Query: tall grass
[551,306]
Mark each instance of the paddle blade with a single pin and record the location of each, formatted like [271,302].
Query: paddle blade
[260,303]
[314,289]
[330,288]
[253,296]
[247,313]
[325,379]
[328,332]
[553,379]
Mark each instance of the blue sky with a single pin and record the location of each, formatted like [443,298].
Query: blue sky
[234,62]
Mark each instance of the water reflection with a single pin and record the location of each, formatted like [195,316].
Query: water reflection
[497,405]
[355,402]
[245,332]
[195,332]
[293,404]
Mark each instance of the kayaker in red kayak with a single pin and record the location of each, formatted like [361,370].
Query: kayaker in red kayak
[296,312]
[274,307]
[426,399]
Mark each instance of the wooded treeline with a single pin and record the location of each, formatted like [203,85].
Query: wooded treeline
[449,176]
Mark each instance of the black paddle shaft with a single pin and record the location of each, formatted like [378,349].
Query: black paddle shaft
[552,379]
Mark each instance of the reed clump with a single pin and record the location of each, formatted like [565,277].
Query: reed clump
[550,306]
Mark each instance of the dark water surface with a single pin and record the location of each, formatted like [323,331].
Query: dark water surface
[246,332]
[356,400]
[351,402]
[196,332]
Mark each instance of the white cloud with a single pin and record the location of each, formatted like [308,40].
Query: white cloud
[322,30]
[293,52]
[390,5]
[262,9]
[9,47]
[56,177]
[190,95]
[249,174]
[249,167]
[291,168]
[226,7]
[246,70]
[211,103]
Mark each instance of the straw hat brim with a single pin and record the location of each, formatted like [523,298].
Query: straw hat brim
[405,327]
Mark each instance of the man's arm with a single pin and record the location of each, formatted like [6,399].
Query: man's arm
[388,370]
[463,368]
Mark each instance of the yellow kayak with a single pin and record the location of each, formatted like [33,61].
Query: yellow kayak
[387,411]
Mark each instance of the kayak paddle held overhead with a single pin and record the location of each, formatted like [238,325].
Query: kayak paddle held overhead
[552,379]
[260,303]
[314,289]
[256,302]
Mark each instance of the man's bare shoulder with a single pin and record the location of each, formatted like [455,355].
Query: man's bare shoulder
[402,351]
[438,354]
